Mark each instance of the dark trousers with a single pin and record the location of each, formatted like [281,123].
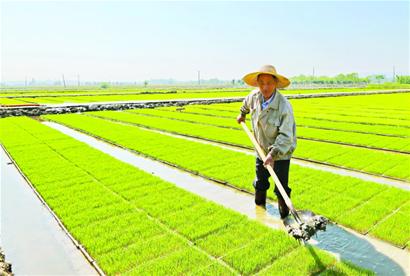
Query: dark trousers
[281,169]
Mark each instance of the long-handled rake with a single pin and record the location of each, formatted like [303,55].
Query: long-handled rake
[307,223]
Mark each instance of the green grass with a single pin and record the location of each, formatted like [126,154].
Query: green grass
[354,127]
[361,139]
[385,106]
[7,101]
[185,116]
[308,257]
[368,214]
[355,119]
[310,121]
[381,119]
[369,113]
[395,226]
[132,222]
[165,89]
[352,113]
[307,263]
[376,162]
[329,194]
[113,90]
[137,97]
[128,93]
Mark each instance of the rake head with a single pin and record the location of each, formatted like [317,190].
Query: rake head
[307,227]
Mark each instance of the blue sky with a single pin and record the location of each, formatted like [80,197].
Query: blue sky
[135,40]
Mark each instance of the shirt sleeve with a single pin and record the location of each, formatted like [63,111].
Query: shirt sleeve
[287,129]
[245,108]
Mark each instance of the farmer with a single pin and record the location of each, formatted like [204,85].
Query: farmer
[274,128]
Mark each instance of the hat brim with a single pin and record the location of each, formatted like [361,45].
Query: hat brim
[252,79]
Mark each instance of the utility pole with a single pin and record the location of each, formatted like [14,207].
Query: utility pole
[313,77]
[394,73]
[199,77]
[78,80]
[63,81]
[25,82]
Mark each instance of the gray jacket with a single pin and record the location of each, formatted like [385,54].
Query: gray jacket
[274,127]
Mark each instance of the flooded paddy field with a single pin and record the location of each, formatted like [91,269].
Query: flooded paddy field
[139,191]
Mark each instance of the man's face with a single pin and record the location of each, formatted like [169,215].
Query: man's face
[267,84]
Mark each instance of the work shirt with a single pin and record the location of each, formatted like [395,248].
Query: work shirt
[266,103]
[272,122]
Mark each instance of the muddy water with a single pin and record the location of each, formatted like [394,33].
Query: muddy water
[364,251]
[346,244]
[31,238]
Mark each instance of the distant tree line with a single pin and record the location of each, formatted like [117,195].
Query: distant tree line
[403,79]
[339,79]
[352,78]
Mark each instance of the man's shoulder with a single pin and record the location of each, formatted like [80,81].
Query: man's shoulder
[253,95]
[281,96]
[284,102]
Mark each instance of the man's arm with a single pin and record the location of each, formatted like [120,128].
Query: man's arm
[245,109]
[285,138]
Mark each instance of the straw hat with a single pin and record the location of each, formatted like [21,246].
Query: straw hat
[251,78]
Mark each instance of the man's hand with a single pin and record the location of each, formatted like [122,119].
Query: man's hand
[240,118]
[268,160]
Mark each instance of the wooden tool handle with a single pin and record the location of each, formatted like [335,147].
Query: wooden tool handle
[262,154]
